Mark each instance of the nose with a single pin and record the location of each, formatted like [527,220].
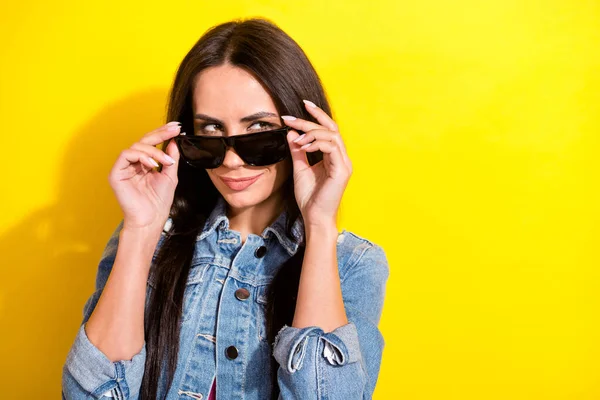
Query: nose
[232,159]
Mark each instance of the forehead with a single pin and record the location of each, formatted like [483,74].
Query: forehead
[229,92]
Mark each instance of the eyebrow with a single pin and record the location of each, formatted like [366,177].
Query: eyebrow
[249,118]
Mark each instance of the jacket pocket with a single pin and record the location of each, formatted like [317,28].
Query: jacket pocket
[261,299]
[193,289]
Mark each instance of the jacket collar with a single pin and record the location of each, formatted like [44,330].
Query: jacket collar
[218,220]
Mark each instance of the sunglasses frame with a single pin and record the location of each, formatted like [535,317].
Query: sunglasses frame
[229,141]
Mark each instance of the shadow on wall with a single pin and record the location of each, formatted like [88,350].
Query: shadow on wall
[50,258]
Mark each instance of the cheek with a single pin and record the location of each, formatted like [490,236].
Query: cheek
[275,176]
[281,171]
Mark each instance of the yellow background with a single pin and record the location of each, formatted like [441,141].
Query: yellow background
[473,128]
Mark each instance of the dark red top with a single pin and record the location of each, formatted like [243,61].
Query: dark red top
[212,395]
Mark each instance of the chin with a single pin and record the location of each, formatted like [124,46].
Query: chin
[240,200]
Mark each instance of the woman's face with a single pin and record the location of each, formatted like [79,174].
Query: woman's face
[229,101]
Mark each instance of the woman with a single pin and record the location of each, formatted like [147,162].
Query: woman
[227,276]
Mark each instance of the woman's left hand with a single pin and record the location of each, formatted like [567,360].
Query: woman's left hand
[318,188]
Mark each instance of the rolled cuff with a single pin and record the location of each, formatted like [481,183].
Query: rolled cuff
[340,346]
[96,374]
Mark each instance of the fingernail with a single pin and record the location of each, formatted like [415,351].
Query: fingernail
[306,145]
[288,117]
[169,159]
[173,128]
[298,138]
[153,162]
[310,103]
[174,123]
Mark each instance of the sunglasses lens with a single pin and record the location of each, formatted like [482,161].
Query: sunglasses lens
[264,148]
[202,152]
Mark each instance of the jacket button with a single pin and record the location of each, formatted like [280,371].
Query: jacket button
[231,352]
[242,294]
[260,252]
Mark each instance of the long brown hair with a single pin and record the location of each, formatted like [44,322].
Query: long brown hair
[263,49]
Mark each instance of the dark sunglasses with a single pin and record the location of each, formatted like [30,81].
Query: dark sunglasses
[258,148]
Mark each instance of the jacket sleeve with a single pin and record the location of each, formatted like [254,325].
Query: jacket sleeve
[343,363]
[87,372]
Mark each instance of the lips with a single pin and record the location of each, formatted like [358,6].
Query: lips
[240,183]
[239,179]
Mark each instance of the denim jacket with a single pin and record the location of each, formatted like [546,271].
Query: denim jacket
[223,334]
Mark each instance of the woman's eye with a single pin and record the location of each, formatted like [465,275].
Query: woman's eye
[208,129]
[261,125]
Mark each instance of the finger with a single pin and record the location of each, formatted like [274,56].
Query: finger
[307,126]
[130,156]
[320,134]
[161,135]
[164,127]
[329,149]
[171,170]
[157,154]
[314,135]
[299,159]
[320,115]
[301,124]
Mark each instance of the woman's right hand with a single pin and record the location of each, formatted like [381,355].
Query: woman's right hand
[144,194]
